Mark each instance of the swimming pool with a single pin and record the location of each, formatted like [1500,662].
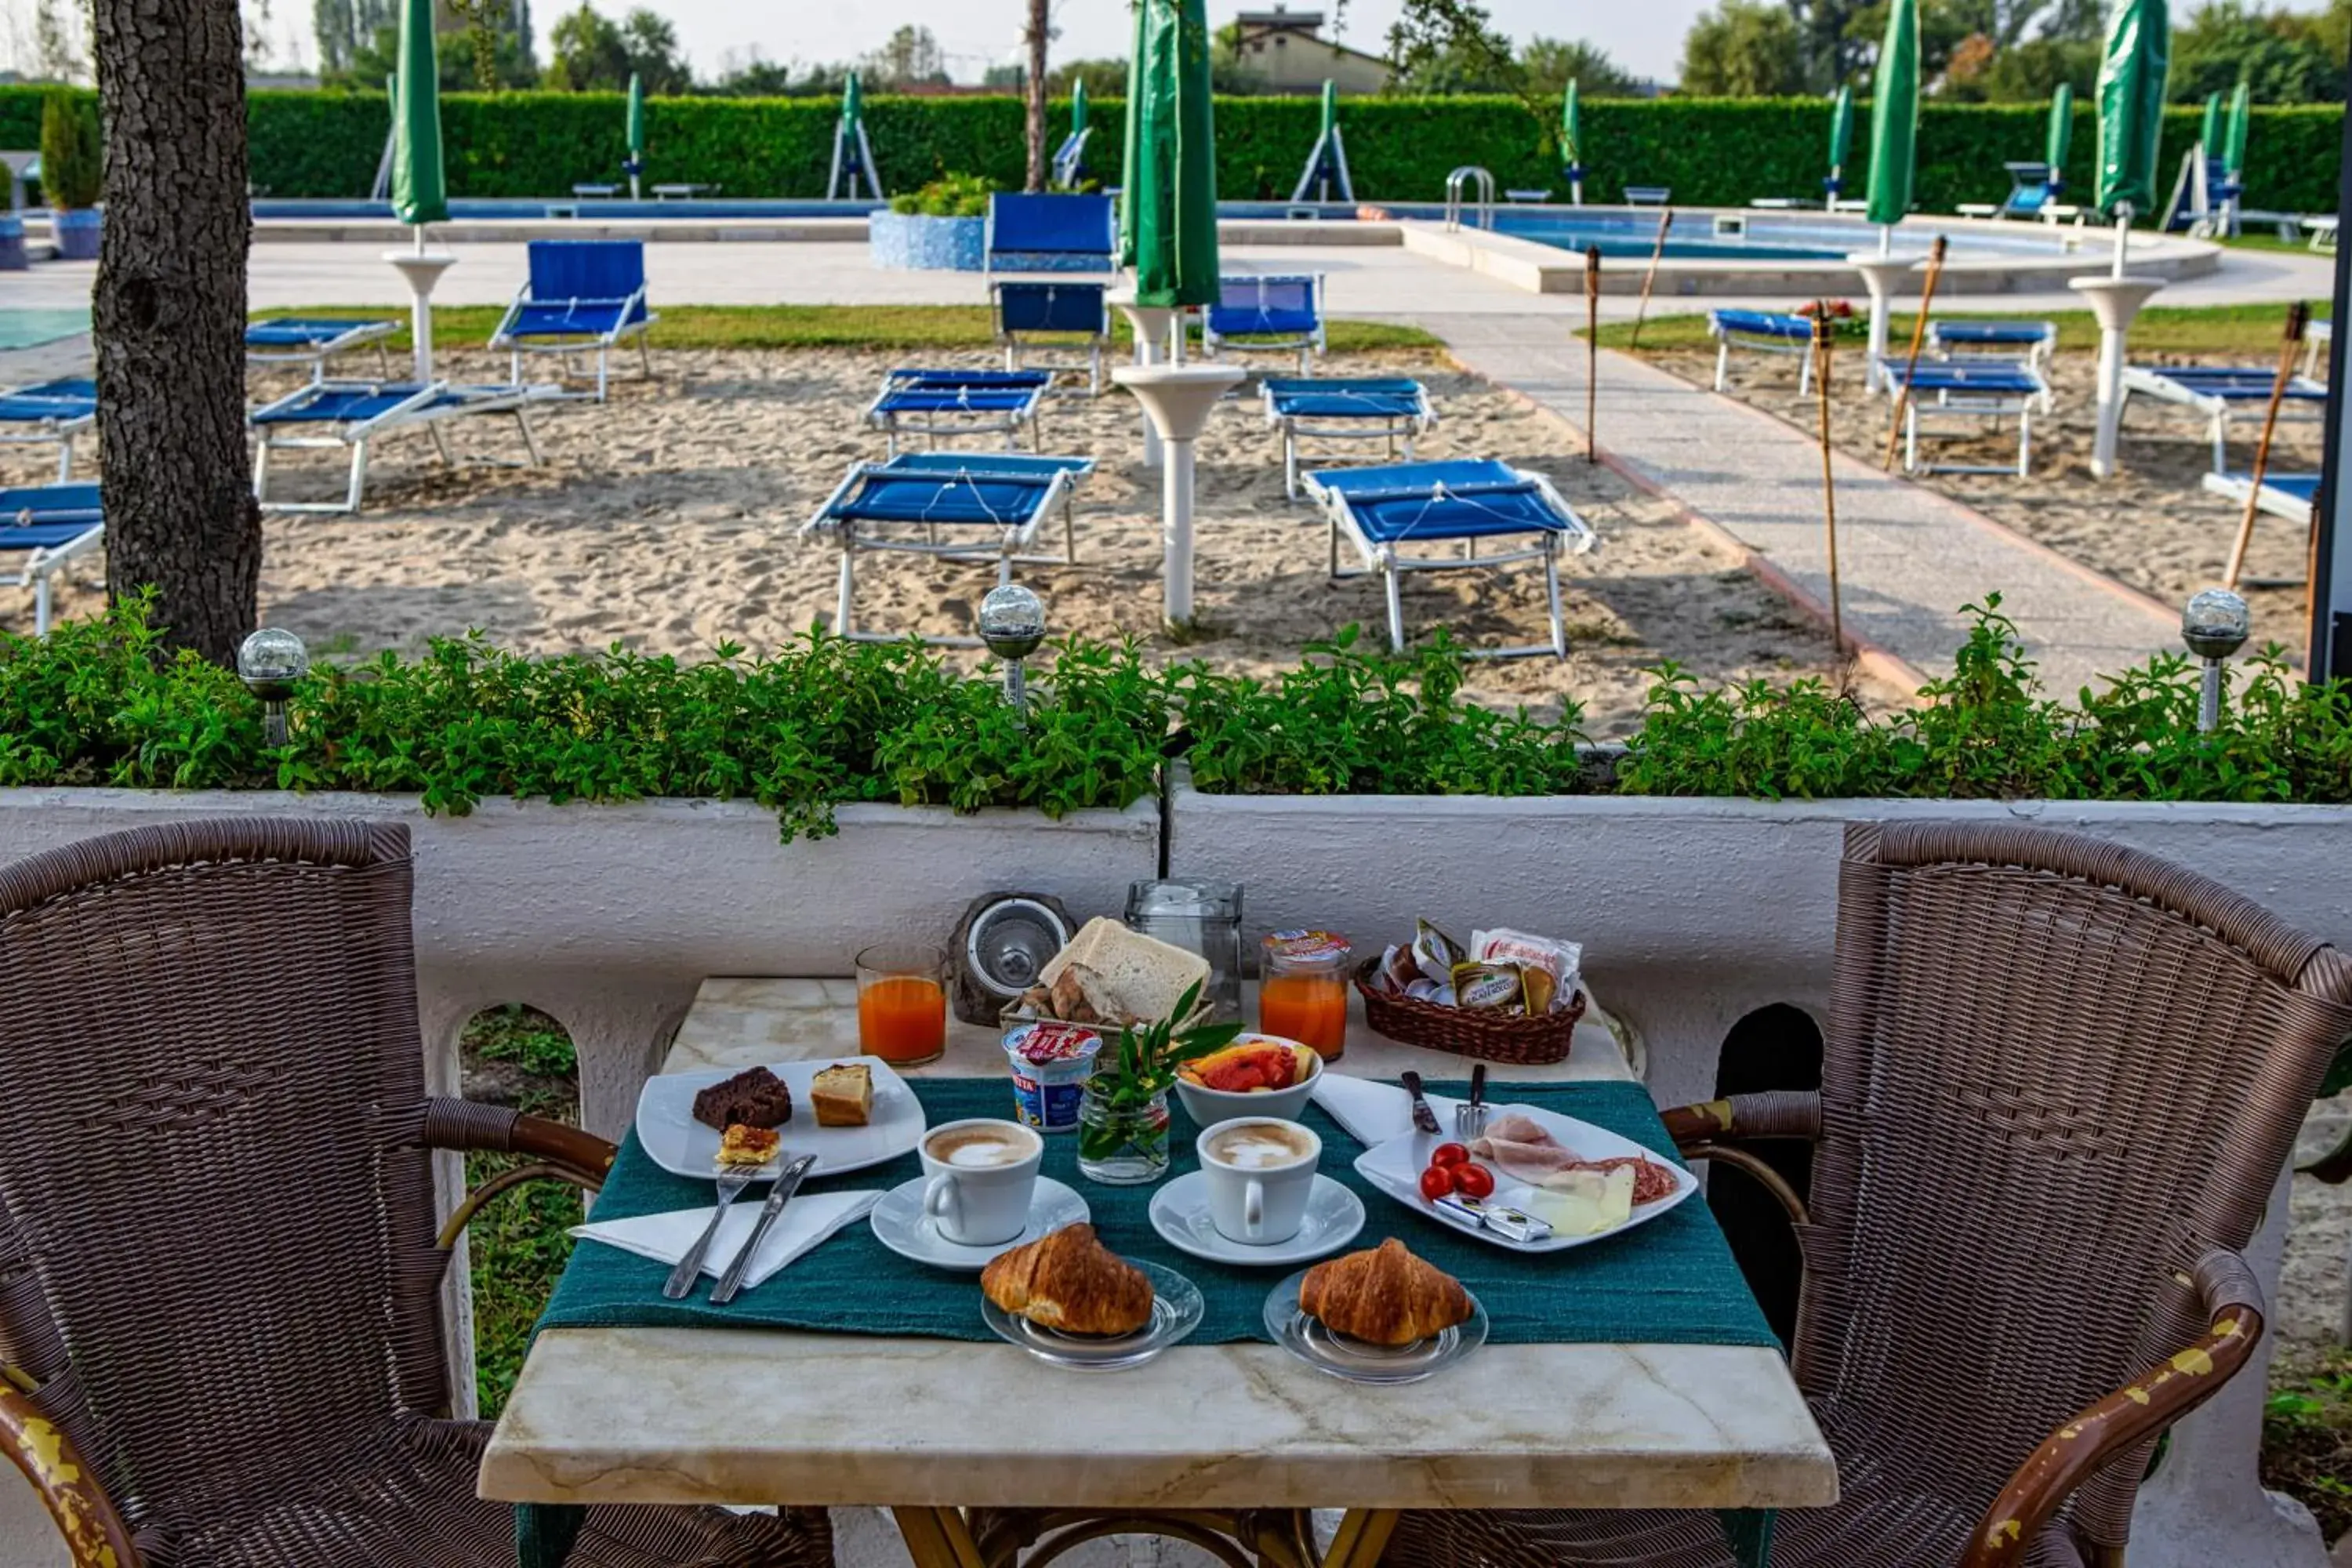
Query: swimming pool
[1700,235]
[30,329]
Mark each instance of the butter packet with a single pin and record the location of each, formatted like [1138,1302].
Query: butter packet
[1560,960]
[1435,952]
[1490,987]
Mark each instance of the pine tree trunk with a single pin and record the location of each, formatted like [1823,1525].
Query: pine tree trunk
[1040,30]
[169,311]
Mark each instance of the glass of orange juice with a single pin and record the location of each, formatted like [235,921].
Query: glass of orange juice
[902,1002]
[1302,994]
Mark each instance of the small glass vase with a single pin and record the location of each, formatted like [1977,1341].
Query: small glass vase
[1122,1145]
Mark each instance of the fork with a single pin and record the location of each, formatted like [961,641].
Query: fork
[731,1187]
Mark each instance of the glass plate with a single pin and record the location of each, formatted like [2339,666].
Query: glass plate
[1357,1361]
[1176,1309]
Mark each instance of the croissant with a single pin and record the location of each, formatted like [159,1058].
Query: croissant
[1070,1281]
[1385,1296]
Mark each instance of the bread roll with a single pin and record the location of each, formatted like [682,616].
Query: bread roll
[1070,1281]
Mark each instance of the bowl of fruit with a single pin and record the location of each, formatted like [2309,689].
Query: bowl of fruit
[1257,1075]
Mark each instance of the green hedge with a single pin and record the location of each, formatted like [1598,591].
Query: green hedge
[1711,151]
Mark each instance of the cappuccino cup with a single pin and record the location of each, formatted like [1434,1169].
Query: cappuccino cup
[983,1173]
[1259,1172]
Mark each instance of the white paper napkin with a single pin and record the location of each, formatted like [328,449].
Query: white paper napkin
[808,1219]
[1376,1112]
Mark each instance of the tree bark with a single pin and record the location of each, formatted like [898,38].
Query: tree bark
[1039,33]
[169,312]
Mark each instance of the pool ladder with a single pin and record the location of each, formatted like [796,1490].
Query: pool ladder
[1482,183]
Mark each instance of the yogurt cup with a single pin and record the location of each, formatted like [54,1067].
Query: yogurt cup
[1051,1062]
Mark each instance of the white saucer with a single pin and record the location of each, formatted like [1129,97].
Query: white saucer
[1179,1212]
[899,1225]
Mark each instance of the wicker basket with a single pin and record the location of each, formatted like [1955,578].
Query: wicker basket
[1521,1041]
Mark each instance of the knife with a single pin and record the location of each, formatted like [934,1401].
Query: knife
[1422,1116]
[788,1182]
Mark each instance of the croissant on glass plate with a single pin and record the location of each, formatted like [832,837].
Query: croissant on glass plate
[1385,1296]
[1070,1281]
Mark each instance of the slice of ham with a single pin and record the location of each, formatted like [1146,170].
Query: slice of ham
[1519,1146]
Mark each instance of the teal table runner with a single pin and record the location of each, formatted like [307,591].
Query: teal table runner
[1671,1281]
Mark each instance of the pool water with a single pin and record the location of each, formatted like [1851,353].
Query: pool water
[30,329]
[1637,236]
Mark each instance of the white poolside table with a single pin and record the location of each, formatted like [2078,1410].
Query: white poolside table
[926,1427]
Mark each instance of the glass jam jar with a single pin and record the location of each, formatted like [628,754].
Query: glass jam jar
[1303,989]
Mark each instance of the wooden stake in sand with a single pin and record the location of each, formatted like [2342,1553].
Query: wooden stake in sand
[1918,336]
[1592,348]
[1657,253]
[2298,317]
[1823,336]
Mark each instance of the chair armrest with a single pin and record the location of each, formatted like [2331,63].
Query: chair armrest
[93,1531]
[1775,1113]
[497,1129]
[2232,1300]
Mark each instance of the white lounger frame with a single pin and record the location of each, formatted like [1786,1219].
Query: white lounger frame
[1959,402]
[44,432]
[2154,384]
[1297,429]
[984,422]
[411,413]
[1308,345]
[1391,565]
[1060,491]
[38,566]
[1729,337]
[577,342]
[318,353]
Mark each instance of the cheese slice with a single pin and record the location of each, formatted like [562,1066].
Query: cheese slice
[1584,1202]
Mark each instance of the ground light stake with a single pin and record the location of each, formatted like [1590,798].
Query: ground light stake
[1657,253]
[2298,317]
[1592,348]
[1822,339]
[1911,363]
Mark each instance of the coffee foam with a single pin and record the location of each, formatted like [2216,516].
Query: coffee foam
[1255,1148]
[978,1148]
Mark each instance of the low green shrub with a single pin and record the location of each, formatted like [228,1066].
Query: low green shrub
[949,195]
[73,162]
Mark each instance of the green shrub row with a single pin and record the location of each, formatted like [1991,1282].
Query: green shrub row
[826,721]
[1711,151]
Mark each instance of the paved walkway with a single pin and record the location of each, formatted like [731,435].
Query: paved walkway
[1907,557]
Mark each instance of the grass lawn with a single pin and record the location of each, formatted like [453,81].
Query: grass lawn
[2248,330]
[816,326]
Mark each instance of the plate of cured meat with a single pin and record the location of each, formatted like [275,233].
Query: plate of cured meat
[1534,1181]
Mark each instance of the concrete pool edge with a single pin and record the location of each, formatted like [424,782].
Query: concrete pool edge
[1535,268]
[1236,231]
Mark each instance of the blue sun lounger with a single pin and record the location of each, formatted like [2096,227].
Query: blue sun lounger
[1390,409]
[1974,390]
[1269,315]
[957,506]
[944,403]
[2218,391]
[581,294]
[1057,233]
[1393,510]
[52,413]
[1764,331]
[348,415]
[2031,193]
[2290,496]
[315,340]
[2037,340]
[42,528]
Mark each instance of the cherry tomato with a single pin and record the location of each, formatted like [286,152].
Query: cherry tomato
[1438,1180]
[1446,1154]
[1471,1179]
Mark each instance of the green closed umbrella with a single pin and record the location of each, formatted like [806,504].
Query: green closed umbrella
[1330,108]
[1175,191]
[853,102]
[1571,144]
[1841,139]
[1134,109]
[2132,68]
[2060,139]
[1894,117]
[1078,107]
[635,162]
[2209,128]
[419,193]
[2233,140]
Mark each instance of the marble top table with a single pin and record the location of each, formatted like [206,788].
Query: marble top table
[681,1416]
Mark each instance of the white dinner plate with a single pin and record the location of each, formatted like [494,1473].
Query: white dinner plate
[901,1225]
[1396,1165]
[1179,1212]
[684,1147]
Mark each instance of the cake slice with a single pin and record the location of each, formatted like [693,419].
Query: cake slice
[843,1095]
[753,1098]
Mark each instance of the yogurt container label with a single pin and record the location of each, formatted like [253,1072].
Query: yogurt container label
[1051,1063]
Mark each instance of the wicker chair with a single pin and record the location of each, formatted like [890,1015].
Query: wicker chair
[220,1335]
[2061,1082]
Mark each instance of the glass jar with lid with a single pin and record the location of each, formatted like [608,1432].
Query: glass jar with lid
[1303,989]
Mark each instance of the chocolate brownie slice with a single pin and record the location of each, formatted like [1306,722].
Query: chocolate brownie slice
[755,1097]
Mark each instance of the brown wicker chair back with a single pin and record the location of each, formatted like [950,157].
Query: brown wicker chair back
[2059,1070]
[211,1185]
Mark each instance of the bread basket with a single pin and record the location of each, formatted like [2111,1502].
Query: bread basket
[1521,1041]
